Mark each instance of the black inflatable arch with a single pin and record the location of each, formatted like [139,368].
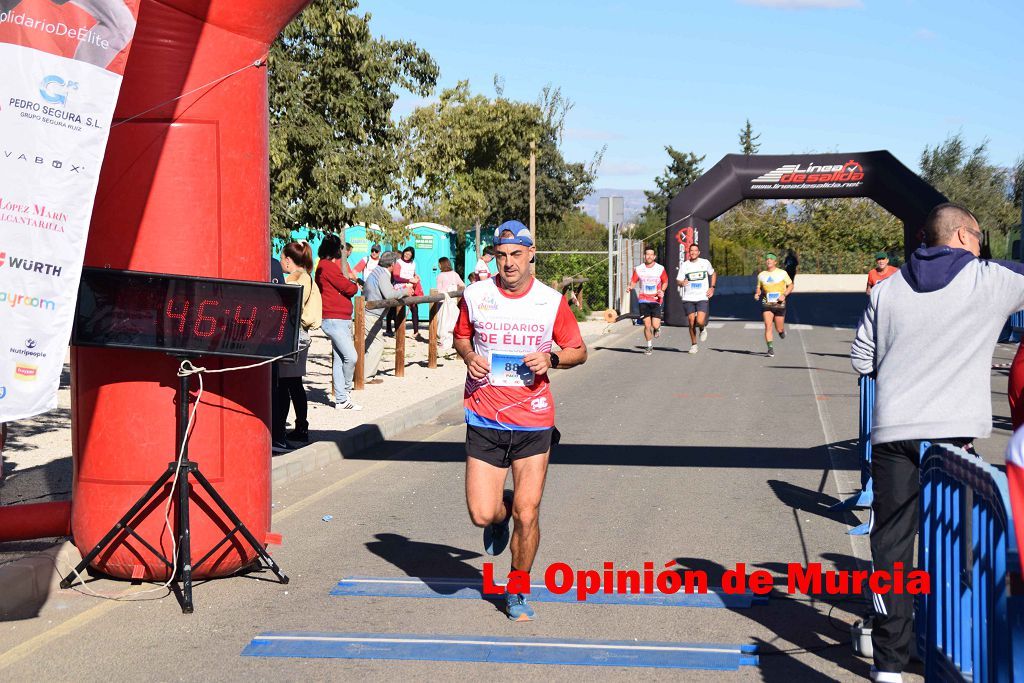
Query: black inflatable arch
[877,175]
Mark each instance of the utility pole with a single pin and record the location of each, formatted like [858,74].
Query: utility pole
[611,233]
[479,247]
[610,212]
[533,192]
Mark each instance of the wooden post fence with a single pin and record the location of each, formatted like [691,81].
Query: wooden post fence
[435,307]
[400,341]
[359,340]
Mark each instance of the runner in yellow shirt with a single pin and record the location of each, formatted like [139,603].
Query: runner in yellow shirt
[773,287]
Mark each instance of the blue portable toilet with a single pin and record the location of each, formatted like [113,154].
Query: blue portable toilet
[356,235]
[486,240]
[361,240]
[312,235]
[431,241]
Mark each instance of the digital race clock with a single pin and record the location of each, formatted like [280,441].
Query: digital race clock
[180,314]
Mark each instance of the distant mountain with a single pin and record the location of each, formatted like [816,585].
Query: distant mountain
[633,201]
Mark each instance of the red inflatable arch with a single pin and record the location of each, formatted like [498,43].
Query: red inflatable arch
[184,190]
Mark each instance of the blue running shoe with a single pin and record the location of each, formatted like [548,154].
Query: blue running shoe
[517,608]
[496,536]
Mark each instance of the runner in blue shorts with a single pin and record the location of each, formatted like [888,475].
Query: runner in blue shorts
[696,280]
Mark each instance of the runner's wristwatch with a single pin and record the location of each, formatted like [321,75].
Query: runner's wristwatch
[554,359]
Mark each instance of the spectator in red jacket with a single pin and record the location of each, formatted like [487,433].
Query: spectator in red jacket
[337,291]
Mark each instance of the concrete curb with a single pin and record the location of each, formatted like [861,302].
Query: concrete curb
[300,462]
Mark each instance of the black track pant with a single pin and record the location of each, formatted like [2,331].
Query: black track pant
[289,390]
[895,470]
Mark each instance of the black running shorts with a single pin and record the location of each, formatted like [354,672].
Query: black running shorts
[775,309]
[649,309]
[694,307]
[499,447]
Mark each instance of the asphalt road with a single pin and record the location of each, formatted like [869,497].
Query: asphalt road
[710,459]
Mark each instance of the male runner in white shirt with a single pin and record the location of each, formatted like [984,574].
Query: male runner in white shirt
[696,279]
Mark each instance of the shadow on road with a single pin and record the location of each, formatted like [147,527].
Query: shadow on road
[424,561]
[742,352]
[824,310]
[805,622]
[809,500]
[815,458]
[637,349]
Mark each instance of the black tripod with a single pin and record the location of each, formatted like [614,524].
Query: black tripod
[182,568]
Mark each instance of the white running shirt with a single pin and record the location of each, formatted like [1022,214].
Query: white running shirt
[696,277]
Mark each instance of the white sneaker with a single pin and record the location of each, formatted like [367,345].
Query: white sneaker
[704,334]
[885,676]
[693,349]
[347,405]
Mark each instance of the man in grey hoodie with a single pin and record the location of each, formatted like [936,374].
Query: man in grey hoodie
[928,336]
[376,287]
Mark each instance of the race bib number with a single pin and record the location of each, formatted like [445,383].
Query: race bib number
[650,288]
[509,370]
[773,297]
[696,286]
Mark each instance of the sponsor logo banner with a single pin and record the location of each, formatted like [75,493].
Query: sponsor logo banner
[63,67]
[810,176]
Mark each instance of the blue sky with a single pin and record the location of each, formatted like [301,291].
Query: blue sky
[812,75]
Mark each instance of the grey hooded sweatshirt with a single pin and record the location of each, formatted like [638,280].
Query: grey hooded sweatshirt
[928,335]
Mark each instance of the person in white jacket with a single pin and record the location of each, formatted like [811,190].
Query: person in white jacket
[448,282]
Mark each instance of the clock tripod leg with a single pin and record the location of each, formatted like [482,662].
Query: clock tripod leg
[261,551]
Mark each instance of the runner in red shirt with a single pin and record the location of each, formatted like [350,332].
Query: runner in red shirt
[653,281]
[881,270]
[504,334]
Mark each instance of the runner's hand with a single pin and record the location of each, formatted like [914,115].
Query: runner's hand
[711,292]
[538,361]
[476,366]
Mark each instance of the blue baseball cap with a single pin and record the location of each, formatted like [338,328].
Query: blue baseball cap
[521,234]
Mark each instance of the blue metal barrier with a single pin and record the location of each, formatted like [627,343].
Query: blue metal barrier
[1014,328]
[970,628]
[862,499]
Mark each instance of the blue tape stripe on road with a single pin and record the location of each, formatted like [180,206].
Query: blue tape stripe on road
[502,650]
[417,587]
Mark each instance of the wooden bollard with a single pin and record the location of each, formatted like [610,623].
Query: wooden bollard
[400,341]
[359,340]
[435,308]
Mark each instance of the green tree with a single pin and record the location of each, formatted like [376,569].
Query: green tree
[683,168]
[832,235]
[334,148]
[467,159]
[748,141]
[575,231]
[966,176]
